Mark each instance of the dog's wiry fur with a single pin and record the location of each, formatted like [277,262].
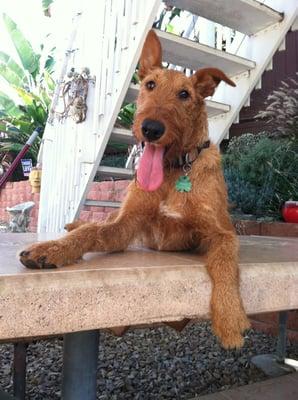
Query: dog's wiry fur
[166,219]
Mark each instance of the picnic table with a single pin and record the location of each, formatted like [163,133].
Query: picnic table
[119,290]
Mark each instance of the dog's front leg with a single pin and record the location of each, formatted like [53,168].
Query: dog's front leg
[111,236]
[228,315]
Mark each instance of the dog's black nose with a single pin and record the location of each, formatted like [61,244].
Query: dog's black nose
[152,130]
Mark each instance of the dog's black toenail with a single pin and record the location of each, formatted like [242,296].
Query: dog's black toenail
[49,266]
[30,264]
[24,253]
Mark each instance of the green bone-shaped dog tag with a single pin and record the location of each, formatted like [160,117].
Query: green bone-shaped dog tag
[183,184]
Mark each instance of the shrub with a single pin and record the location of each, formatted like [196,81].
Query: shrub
[261,173]
[282,109]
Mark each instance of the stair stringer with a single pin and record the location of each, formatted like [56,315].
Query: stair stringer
[109,41]
[259,48]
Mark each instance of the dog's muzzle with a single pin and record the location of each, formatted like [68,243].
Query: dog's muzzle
[152,129]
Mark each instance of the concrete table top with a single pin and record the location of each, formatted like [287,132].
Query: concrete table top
[136,287]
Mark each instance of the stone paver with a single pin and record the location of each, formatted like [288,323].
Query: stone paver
[281,388]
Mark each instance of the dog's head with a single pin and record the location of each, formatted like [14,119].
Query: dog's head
[171,115]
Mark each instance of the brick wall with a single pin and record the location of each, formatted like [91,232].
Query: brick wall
[19,192]
[268,323]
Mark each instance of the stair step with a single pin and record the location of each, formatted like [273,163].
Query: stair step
[121,173]
[122,135]
[213,107]
[247,16]
[101,203]
[189,54]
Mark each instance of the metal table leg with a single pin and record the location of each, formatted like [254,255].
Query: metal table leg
[273,365]
[19,370]
[80,354]
[282,337]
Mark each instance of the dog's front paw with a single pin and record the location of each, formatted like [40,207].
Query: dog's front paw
[51,254]
[229,322]
[74,225]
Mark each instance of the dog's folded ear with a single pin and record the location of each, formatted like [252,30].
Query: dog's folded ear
[206,80]
[151,56]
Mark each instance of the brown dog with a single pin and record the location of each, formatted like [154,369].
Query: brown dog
[179,198]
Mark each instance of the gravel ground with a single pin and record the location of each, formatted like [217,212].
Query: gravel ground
[148,364]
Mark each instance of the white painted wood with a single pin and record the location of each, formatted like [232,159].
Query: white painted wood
[247,103]
[247,16]
[259,84]
[269,65]
[120,173]
[110,35]
[122,135]
[259,48]
[207,32]
[213,107]
[189,54]
[282,46]
[294,27]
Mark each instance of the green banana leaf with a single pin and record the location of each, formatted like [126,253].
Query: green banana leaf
[29,59]
[12,65]
[8,105]
[10,76]
[49,81]
[29,98]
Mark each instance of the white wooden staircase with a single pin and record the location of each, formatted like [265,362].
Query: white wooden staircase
[115,32]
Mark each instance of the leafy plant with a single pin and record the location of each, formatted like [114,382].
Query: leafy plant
[46,7]
[261,173]
[282,109]
[30,80]
[126,115]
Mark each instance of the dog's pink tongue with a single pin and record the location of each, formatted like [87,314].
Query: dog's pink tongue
[150,169]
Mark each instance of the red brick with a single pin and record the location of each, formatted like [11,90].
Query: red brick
[293,320]
[36,197]
[108,210]
[95,186]
[243,227]
[107,185]
[119,195]
[85,215]
[94,195]
[292,336]
[122,185]
[3,195]
[264,327]
[106,195]
[97,209]
[8,185]
[271,317]
[98,216]
[279,229]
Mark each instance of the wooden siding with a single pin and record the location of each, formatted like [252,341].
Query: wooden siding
[285,65]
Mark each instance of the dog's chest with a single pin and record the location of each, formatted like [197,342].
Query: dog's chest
[170,210]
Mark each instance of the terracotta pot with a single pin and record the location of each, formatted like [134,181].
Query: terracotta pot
[290,211]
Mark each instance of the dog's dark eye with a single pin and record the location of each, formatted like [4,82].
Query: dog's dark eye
[150,85]
[183,95]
